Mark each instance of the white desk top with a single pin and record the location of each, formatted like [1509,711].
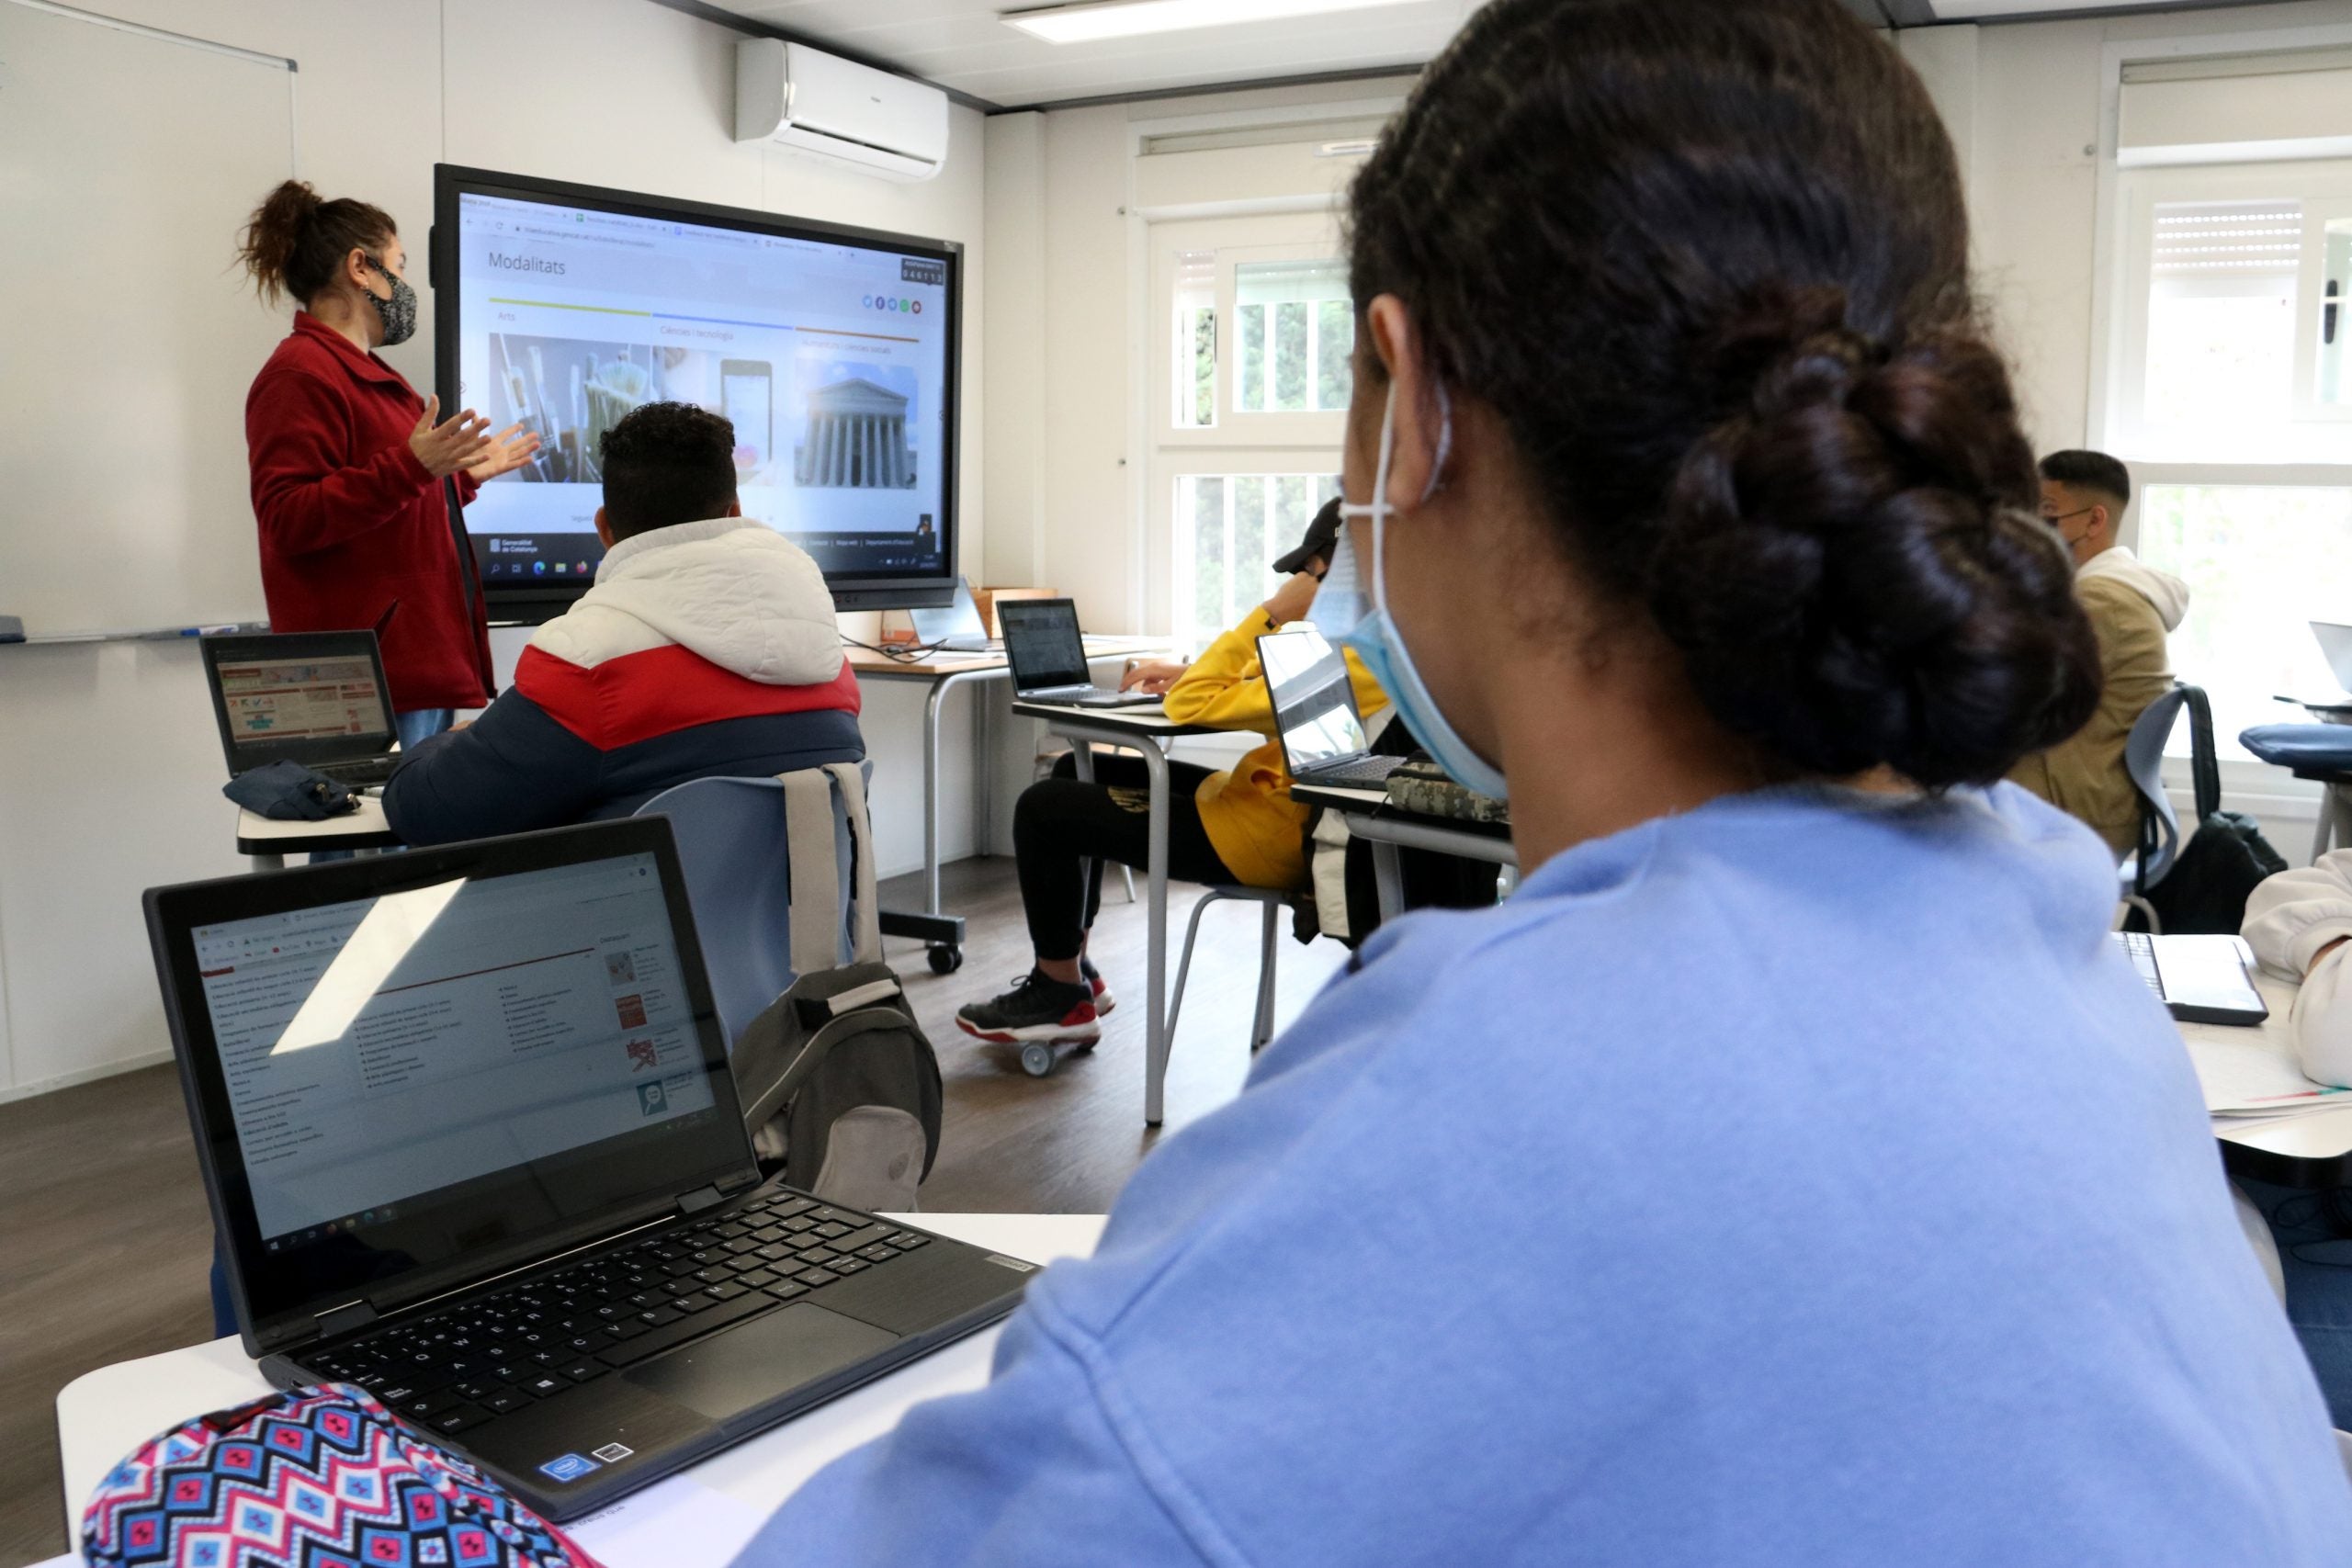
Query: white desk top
[703,1516]
[362,829]
[1133,721]
[2316,1135]
[1342,797]
[865,661]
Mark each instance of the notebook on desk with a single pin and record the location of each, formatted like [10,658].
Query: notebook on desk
[316,698]
[470,1141]
[1048,657]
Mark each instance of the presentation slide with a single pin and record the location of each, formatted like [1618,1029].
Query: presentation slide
[830,361]
[378,1050]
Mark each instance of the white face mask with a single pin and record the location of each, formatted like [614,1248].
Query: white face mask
[1339,612]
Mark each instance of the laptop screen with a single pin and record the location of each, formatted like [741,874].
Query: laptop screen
[271,701]
[958,619]
[1315,708]
[491,1045]
[1042,643]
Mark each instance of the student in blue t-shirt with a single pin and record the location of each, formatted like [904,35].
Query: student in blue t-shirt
[1788,1173]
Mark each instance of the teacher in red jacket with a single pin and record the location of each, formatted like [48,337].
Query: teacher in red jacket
[355,485]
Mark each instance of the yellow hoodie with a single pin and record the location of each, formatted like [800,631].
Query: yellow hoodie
[1248,812]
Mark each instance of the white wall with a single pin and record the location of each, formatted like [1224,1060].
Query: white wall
[110,771]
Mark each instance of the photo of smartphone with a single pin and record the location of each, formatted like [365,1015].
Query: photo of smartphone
[746,397]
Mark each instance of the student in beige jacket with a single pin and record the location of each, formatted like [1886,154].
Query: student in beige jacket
[2131,606]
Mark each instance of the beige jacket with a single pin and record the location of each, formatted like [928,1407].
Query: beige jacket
[2131,606]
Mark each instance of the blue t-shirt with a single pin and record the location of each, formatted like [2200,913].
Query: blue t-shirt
[1800,1180]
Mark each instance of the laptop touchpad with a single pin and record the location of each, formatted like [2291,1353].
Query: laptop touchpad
[761,1359]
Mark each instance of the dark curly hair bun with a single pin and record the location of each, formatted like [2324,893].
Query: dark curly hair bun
[1708,263]
[296,240]
[1852,570]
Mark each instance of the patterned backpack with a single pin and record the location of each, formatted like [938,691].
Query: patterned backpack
[318,1478]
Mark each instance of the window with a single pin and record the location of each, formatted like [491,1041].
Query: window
[1256,371]
[2262,562]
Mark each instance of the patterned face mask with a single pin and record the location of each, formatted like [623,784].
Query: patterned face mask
[399,312]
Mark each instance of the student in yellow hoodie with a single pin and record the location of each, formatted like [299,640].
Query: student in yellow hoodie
[1236,826]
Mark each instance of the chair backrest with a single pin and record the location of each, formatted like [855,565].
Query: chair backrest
[2143,759]
[731,845]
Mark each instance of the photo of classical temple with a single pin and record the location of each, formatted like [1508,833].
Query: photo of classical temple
[857,439]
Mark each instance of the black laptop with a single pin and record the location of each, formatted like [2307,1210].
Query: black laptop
[471,1143]
[1047,653]
[2201,980]
[1315,713]
[316,698]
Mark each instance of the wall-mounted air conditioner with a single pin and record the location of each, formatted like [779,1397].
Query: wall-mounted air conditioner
[835,110]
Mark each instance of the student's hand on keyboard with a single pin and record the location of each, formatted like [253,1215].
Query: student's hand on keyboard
[1151,676]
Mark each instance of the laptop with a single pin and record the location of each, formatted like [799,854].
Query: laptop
[953,628]
[2202,979]
[471,1143]
[2335,646]
[316,698]
[1048,657]
[1315,713]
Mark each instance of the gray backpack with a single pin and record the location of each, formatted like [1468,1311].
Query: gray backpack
[838,1082]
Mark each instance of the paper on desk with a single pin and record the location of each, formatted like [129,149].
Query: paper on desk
[675,1521]
[2254,1078]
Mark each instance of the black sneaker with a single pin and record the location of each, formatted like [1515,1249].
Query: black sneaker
[1038,1007]
[1099,985]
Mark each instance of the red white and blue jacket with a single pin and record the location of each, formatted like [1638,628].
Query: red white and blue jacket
[706,649]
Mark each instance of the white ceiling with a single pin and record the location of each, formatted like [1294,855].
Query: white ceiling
[960,44]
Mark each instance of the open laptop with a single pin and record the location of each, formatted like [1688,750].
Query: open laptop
[2335,646]
[1315,713]
[1048,657]
[2202,979]
[953,628]
[470,1139]
[316,698]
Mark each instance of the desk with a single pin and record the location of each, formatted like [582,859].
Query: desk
[944,933]
[702,1516]
[1386,829]
[1147,731]
[2309,1151]
[267,841]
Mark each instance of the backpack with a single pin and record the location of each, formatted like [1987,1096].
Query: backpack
[2223,860]
[320,1475]
[839,1085]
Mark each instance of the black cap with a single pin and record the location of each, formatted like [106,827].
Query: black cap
[1322,538]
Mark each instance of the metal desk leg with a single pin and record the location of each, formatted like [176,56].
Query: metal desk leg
[983,771]
[1154,762]
[1388,878]
[942,933]
[266,862]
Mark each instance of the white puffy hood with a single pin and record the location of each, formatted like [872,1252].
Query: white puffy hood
[731,589]
[2166,592]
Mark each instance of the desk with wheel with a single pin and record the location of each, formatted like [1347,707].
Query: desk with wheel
[1387,827]
[1146,732]
[942,933]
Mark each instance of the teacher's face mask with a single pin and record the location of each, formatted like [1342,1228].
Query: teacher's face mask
[1342,613]
[399,312]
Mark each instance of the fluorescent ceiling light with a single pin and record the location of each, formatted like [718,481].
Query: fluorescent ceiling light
[1127,19]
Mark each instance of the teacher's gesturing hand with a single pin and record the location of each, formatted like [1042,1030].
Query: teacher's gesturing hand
[505,452]
[455,443]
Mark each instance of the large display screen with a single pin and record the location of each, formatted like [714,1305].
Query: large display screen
[833,352]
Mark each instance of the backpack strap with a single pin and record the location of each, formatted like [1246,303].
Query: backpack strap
[865,900]
[2203,763]
[816,875]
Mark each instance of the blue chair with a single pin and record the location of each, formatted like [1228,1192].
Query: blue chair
[2143,760]
[731,846]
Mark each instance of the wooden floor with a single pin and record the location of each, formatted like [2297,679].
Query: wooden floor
[105,1237]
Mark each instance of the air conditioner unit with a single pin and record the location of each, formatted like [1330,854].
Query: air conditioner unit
[836,109]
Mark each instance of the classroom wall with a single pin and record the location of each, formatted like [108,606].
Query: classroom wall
[110,772]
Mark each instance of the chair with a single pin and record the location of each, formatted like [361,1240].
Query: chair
[2143,760]
[730,836]
[1272,904]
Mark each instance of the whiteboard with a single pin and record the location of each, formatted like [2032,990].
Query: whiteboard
[129,159]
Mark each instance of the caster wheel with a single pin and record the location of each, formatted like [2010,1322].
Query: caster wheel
[946,960]
[1036,1058]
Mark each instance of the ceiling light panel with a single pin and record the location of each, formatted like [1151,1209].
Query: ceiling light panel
[1132,18]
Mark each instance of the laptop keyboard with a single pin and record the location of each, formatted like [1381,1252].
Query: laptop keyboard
[1370,772]
[2143,952]
[366,771]
[452,1370]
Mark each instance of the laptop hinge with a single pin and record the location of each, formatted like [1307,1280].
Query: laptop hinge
[701,1198]
[337,1322]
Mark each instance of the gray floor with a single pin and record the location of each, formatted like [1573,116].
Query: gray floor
[104,1237]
